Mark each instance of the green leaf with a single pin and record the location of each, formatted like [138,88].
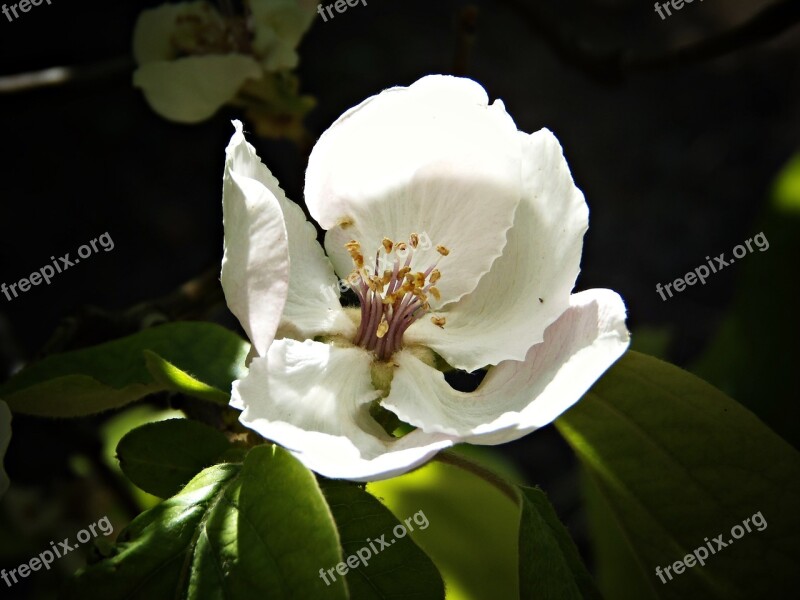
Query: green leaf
[162,457]
[257,530]
[174,379]
[679,462]
[616,569]
[473,533]
[113,374]
[399,569]
[549,563]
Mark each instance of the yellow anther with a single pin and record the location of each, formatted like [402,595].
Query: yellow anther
[382,328]
[387,277]
[442,250]
[353,246]
[435,293]
[387,245]
[419,279]
[414,241]
[439,321]
[435,276]
[389,299]
[403,272]
[401,247]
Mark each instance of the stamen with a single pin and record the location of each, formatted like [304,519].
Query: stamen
[439,321]
[382,328]
[391,298]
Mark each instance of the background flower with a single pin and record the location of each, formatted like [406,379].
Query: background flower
[193,60]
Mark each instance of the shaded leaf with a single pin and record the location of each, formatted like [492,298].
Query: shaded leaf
[678,462]
[196,358]
[402,569]
[162,457]
[549,564]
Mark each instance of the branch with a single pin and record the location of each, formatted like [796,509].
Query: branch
[25,82]
[615,66]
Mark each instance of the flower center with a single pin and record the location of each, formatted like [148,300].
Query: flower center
[392,296]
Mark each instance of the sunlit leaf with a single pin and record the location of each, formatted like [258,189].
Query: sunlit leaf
[255,530]
[113,374]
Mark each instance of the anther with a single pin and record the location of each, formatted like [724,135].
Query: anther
[439,321]
[442,250]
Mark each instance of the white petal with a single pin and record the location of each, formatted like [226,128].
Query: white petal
[528,287]
[279,25]
[156,28]
[313,399]
[191,89]
[434,158]
[312,304]
[516,397]
[255,263]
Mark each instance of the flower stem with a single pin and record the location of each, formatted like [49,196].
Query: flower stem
[507,489]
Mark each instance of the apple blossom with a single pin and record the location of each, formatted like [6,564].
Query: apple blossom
[491,290]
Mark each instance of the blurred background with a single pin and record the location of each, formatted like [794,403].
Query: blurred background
[678,158]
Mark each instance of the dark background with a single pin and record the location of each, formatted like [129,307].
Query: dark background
[676,164]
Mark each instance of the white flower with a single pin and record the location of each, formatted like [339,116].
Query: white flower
[475,230]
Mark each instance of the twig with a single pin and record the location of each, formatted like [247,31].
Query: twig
[498,482]
[25,82]
[615,66]
[465,39]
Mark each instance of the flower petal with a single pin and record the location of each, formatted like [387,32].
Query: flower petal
[528,287]
[312,303]
[279,25]
[516,397]
[191,89]
[255,263]
[434,158]
[313,399]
